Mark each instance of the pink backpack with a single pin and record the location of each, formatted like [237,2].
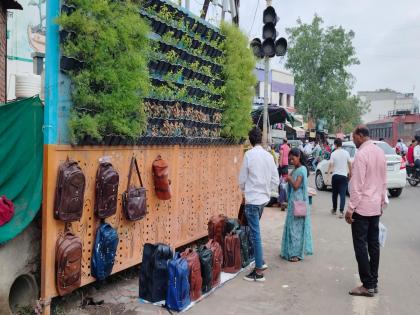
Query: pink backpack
[7,210]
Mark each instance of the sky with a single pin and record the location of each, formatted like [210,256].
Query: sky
[387,35]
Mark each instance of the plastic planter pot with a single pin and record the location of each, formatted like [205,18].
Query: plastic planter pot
[161,29]
[165,67]
[155,26]
[214,36]
[67,35]
[70,64]
[186,73]
[178,34]
[195,44]
[68,9]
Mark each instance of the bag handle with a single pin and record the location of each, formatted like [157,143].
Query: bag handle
[134,163]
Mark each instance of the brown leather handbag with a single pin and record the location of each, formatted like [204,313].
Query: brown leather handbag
[242,216]
[195,278]
[216,228]
[232,253]
[160,177]
[69,192]
[217,261]
[68,263]
[134,199]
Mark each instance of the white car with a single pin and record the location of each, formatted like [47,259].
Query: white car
[396,175]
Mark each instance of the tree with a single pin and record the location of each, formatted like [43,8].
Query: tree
[319,59]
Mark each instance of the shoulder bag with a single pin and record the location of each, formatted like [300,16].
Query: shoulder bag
[134,198]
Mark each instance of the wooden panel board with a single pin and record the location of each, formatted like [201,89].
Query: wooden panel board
[204,182]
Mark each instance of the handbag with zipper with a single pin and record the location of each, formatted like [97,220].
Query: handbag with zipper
[134,198]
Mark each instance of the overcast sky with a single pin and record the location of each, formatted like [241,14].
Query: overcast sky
[387,36]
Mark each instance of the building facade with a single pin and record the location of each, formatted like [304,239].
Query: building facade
[386,102]
[281,89]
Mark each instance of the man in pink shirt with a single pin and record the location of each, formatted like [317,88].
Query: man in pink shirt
[284,159]
[367,197]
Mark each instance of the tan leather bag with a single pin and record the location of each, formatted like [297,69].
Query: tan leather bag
[68,263]
[217,261]
[195,278]
[160,170]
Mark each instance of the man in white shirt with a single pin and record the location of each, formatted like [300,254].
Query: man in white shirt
[308,148]
[340,165]
[257,177]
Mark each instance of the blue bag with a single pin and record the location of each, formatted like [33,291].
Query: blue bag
[178,293]
[104,250]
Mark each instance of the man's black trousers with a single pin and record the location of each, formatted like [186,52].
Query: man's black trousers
[365,231]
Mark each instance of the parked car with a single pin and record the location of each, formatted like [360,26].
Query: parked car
[294,143]
[396,169]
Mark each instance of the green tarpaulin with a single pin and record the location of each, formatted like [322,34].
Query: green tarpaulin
[21,153]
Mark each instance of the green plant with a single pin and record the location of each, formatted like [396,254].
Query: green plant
[166,15]
[238,66]
[169,38]
[171,56]
[186,41]
[206,70]
[195,66]
[111,39]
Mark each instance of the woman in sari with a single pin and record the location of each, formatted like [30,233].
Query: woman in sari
[297,235]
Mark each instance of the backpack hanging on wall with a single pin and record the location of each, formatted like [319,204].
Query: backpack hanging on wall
[161,178]
[106,190]
[153,278]
[134,199]
[69,192]
[195,279]
[217,264]
[206,263]
[232,253]
[178,293]
[68,263]
[104,251]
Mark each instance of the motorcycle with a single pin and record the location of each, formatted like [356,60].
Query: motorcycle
[414,177]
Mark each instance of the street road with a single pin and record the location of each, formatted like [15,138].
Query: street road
[320,283]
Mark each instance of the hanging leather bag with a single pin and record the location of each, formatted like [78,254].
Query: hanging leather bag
[69,192]
[68,263]
[7,209]
[134,199]
[106,190]
[160,177]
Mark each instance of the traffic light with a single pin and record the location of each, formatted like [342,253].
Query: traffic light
[270,47]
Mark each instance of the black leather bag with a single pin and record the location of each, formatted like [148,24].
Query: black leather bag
[134,199]
[153,279]
[243,237]
[231,225]
[206,262]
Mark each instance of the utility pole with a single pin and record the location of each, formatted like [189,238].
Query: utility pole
[265,112]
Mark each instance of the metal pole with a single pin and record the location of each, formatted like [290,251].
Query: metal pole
[265,112]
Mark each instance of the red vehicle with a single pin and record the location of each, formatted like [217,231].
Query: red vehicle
[398,125]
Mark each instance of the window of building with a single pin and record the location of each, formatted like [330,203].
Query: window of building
[281,99]
[288,100]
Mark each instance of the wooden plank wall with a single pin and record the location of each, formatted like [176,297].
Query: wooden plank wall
[204,182]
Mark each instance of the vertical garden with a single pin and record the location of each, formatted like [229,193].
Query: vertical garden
[149,72]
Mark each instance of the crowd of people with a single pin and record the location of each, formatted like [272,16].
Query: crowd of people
[368,195]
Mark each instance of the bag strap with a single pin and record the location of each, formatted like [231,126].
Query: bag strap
[134,163]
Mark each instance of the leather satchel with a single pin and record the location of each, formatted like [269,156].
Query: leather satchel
[160,177]
[195,278]
[7,209]
[134,199]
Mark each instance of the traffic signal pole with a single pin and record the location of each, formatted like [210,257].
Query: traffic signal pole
[265,112]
